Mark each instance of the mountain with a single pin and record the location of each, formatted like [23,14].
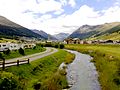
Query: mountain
[44,34]
[11,29]
[97,31]
[61,36]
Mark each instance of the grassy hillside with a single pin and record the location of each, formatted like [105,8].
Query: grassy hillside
[97,31]
[112,36]
[42,72]
[107,61]
[11,29]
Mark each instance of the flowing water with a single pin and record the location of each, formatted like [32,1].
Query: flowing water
[82,74]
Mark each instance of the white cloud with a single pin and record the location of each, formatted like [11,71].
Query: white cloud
[72,3]
[59,12]
[13,10]
[85,15]
[63,2]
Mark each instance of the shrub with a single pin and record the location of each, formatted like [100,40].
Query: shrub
[56,46]
[61,46]
[37,86]
[48,45]
[42,45]
[21,51]
[1,57]
[8,81]
[34,47]
[7,52]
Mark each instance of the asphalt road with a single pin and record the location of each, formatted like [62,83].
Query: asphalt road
[32,57]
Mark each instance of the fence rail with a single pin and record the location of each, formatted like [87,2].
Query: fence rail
[4,64]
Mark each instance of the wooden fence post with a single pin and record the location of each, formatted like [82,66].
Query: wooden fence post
[28,60]
[17,62]
[3,64]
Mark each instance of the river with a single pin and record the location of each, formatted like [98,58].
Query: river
[81,73]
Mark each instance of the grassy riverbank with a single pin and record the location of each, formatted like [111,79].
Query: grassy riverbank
[42,73]
[107,61]
[15,54]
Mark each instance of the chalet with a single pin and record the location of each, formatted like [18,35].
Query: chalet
[72,41]
[81,42]
[69,41]
[76,40]
[88,42]
[109,42]
[117,41]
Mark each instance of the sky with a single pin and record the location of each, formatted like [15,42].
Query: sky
[56,16]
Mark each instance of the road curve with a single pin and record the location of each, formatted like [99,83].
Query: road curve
[33,57]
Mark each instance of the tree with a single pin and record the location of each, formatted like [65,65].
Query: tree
[7,52]
[21,51]
[1,57]
[61,46]
[56,46]
[8,81]
[34,47]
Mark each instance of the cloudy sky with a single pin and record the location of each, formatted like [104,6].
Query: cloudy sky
[55,16]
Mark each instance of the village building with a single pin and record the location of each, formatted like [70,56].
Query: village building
[72,41]
[29,45]
[3,46]
[76,40]
[117,41]
[88,42]
[81,42]
[15,46]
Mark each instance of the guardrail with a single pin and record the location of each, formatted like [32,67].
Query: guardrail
[4,64]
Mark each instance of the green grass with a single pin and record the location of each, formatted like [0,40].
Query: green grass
[107,61]
[15,54]
[43,71]
[112,36]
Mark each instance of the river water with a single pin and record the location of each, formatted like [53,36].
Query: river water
[81,73]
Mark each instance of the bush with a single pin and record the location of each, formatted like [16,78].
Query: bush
[61,46]
[8,81]
[37,86]
[21,51]
[34,47]
[1,57]
[56,46]
[48,45]
[7,52]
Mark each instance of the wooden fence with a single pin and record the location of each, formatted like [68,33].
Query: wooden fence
[4,64]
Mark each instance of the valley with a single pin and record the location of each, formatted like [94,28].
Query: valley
[101,42]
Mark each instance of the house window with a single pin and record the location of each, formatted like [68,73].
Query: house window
[4,45]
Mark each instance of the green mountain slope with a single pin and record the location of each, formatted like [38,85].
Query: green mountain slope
[11,29]
[104,31]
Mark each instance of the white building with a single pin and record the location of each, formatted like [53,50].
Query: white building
[3,46]
[15,46]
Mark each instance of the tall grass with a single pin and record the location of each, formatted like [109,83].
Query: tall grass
[107,61]
[43,73]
